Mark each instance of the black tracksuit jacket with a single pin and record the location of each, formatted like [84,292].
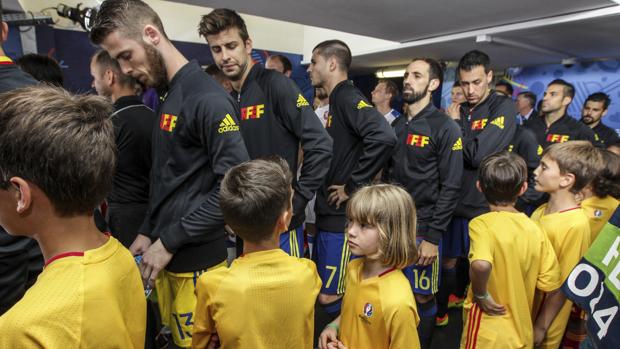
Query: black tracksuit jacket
[197,141]
[428,162]
[275,120]
[564,129]
[363,142]
[487,128]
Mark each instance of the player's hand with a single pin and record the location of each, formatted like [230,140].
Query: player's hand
[329,335]
[489,306]
[140,245]
[337,195]
[539,335]
[454,111]
[153,261]
[214,342]
[427,253]
[336,345]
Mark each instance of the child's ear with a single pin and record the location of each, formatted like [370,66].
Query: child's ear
[567,180]
[523,189]
[284,220]
[23,194]
[478,186]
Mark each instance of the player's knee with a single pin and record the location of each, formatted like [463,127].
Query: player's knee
[328,298]
[423,298]
[448,263]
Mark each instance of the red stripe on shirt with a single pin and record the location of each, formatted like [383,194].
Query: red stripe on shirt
[569,209]
[470,325]
[475,336]
[387,271]
[63,255]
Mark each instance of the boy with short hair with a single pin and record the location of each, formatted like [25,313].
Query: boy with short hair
[57,158]
[510,259]
[266,298]
[564,170]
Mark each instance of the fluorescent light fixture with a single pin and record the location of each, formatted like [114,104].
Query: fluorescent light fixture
[616,1]
[392,73]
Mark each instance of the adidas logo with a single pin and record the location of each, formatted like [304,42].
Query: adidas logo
[302,102]
[363,104]
[458,145]
[228,124]
[499,122]
[539,151]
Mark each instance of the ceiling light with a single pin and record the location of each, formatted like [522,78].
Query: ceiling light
[392,73]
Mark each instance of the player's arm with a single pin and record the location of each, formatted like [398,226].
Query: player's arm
[330,333]
[550,309]
[204,326]
[481,265]
[225,150]
[403,328]
[450,178]
[496,135]
[378,141]
[299,118]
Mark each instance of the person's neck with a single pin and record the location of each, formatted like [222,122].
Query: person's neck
[174,60]
[587,192]
[121,92]
[237,85]
[324,103]
[264,245]
[373,267]
[415,108]
[484,98]
[594,124]
[561,200]
[503,208]
[525,112]
[554,116]
[2,52]
[330,84]
[384,108]
[61,235]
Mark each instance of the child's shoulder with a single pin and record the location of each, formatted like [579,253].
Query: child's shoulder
[396,291]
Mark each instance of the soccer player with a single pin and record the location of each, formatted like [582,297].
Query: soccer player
[266,296]
[554,125]
[564,170]
[602,194]
[197,141]
[275,117]
[488,125]
[280,64]
[378,310]
[593,111]
[525,144]
[133,127]
[19,255]
[428,163]
[56,166]
[510,258]
[363,141]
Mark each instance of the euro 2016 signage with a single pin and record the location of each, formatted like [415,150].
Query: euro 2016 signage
[594,285]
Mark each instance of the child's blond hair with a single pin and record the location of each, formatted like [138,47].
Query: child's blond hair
[579,158]
[391,210]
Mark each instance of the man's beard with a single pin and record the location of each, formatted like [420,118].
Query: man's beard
[588,120]
[157,68]
[415,97]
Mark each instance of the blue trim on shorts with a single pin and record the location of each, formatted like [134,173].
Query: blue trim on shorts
[456,241]
[425,280]
[292,242]
[331,254]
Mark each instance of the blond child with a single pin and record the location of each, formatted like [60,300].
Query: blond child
[378,309]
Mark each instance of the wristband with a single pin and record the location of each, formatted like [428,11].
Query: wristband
[483,297]
[334,325]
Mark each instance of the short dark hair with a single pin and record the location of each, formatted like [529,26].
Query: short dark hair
[62,143]
[253,195]
[501,177]
[42,68]
[569,89]
[607,180]
[530,96]
[435,71]
[103,59]
[221,19]
[286,63]
[338,49]
[128,17]
[474,59]
[599,97]
[507,85]
[580,158]
[390,87]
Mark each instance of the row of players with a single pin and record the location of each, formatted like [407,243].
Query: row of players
[187,236]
